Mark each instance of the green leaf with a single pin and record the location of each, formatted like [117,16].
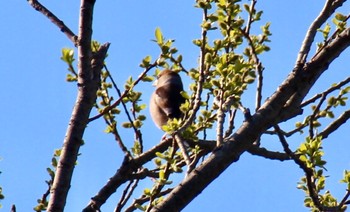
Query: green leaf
[159,36]
[161,175]
[67,55]
[126,125]
[146,62]
[147,78]
[147,191]
[185,95]
[303,158]
[340,17]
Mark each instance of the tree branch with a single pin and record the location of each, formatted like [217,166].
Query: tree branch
[88,83]
[117,102]
[335,125]
[122,175]
[325,93]
[296,85]
[55,20]
[328,9]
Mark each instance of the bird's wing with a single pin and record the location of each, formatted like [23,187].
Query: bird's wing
[169,100]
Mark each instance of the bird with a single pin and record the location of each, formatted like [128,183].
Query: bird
[166,100]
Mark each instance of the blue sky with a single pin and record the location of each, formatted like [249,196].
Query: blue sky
[37,101]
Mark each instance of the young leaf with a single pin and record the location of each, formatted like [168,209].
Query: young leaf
[159,36]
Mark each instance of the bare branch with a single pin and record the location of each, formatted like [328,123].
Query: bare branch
[344,200]
[335,125]
[126,194]
[325,93]
[250,18]
[231,124]
[263,152]
[13,208]
[55,20]
[328,9]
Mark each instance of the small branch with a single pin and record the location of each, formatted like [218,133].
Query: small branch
[250,19]
[180,143]
[202,70]
[116,103]
[13,208]
[144,199]
[206,108]
[231,124]
[126,195]
[328,9]
[344,200]
[335,125]
[308,171]
[137,132]
[259,69]
[220,116]
[314,117]
[325,93]
[160,183]
[271,155]
[122,175]
[55,20]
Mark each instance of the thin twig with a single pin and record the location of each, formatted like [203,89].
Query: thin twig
[122,175]
[180,143]
[335,124]
[161,182]
[250,18]
[325,93]
[220,116]
[308,171]
[202,70]
[117,102]
[231,124]
[126,194]
[343,201]
[137,131]
[259,70]
[55,20]
[309,174]
[144,199]
[314,117]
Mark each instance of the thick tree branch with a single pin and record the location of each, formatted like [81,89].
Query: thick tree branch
[88,82]
[294,87]
[313,69]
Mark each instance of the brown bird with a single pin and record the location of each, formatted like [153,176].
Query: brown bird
[166,99]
